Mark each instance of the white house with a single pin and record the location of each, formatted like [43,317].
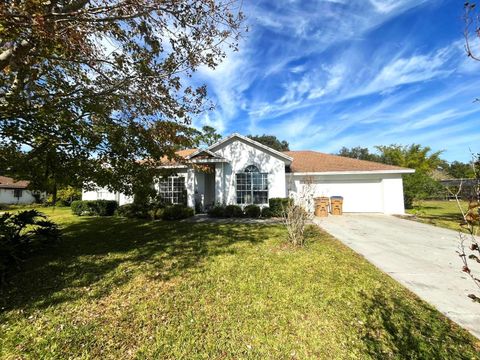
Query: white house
[15,192]
[238,170]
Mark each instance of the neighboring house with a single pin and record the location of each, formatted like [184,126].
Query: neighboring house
[238,170]
[15,192]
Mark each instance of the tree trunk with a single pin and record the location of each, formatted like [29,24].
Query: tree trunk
[54,194]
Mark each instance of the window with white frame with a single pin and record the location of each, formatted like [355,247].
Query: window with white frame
[103,194]
[252,186]
[172,189]
[17,193]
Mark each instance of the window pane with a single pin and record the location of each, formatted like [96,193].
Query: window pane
[252,187]
[172,189]
[260,197]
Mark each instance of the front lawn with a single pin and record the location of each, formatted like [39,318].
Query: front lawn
[116,288]
[439,213]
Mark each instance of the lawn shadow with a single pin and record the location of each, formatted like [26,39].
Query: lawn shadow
[395,330]
[424,207]
[97,255]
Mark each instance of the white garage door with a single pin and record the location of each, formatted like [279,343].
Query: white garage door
[358,195]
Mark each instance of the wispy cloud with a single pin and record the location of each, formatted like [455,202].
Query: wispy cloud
[412,69]
[323,74]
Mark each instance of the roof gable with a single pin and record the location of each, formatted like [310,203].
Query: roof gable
[202,154]
[285,157]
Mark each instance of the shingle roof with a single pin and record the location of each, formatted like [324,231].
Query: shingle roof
[10,183]
[313,161]
[165,161]
[186,152]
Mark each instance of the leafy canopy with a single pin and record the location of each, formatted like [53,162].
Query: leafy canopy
[358,153]
[271,141]
[417,186]
[88,87]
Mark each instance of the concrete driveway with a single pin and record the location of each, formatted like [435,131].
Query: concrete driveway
[421,257]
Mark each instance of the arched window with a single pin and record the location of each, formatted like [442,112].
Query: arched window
[251,169]
[252,186]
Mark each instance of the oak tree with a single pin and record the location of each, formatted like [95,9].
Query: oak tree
[89,87]
[271,141]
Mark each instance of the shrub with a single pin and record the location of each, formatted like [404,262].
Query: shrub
[217,211]
[266,212]
[156,213]
[66,196]
[278,206]
[80,207]
[233,211]
[23,233]
[106,207]
[137,211]
[152,209]
[296,219]
[420,186]
[94,207]
[253,211]
[177,212]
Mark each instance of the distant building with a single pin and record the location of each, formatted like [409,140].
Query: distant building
[15,192]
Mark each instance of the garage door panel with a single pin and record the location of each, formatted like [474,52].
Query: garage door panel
[358,195]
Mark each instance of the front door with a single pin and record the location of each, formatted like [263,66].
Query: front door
[209,199]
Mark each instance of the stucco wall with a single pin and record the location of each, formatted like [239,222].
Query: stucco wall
[6,197]
[382,193]
[241,154]
[393,195]
[104,194]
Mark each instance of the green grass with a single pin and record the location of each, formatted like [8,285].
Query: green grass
[116,288]
[439,213]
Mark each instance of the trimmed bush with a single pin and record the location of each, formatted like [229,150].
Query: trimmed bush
[266,212]
[133,211]
[233,211]
[217,211]
[94,207]
[80,207]
[177,212]
[253,211]
[106,207]
[142,210]
[278,206]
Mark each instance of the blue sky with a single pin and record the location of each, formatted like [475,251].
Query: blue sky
[333,73]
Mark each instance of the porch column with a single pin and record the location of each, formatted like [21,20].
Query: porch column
[219,184]
[190,185]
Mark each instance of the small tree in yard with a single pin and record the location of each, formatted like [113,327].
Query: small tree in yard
[469,245]
[469,248]
[298,213]
[21,234]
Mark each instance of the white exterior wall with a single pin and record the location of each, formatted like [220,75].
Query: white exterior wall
[241,154]
[190,186]
[122,199]
[104,194]
[6,197]
[393,195]
[220,183]
[363,193]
